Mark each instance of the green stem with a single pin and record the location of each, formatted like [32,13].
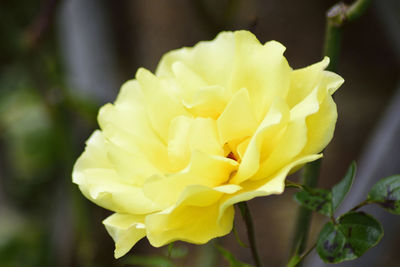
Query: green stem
[240,242]
[296,260]
[362,204]
[333,38]
[335,18]
[357,9]
[310,179]
[305,254]
[244,210]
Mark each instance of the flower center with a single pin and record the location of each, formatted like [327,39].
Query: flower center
[231,156]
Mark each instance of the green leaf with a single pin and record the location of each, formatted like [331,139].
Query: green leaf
[386,193]
[233,262]
[351,237]
[340,190]
[315,199]
[150,261]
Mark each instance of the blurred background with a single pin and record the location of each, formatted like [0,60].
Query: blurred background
[61,60]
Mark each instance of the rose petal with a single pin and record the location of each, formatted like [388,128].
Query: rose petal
[305,80]
[162,103]
[237,121]
[126,230]
[99,182]
[262,69]
[190,222]
[211,60]
[188,81]
[204,169]
[262,141]
[188,134]
[209,101]
[267,186]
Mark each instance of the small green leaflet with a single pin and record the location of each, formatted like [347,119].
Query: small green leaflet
[386,193]
[351,237]
[340,190]
[325,201]
[315,199]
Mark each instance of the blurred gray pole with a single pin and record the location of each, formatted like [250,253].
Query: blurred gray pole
[87,49]
[381,157]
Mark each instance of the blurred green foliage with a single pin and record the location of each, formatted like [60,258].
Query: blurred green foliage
[37,143]
[23,243]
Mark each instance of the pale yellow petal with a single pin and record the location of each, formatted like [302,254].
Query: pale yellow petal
[201,196]
[237,121]
[242,147]
[131,96]
[190,222]
[162,102]
[262,141]
[126,230]
[332,81]
[204,137]
[286,148]
[103,188]
[178,142]
[133,168]
[128,113]
[211,60]
[99,182]
[188,81]
[321,126]
[136,161]
[262,69]
[188,134]
[204,169]
[304,80]
[274,184]
[309,105]
[321,123]
[209,101]
[130,129]
[94,156]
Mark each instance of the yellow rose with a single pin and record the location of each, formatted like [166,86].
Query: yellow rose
[217,124]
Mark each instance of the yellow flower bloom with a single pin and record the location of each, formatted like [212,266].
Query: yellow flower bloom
[217,124]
